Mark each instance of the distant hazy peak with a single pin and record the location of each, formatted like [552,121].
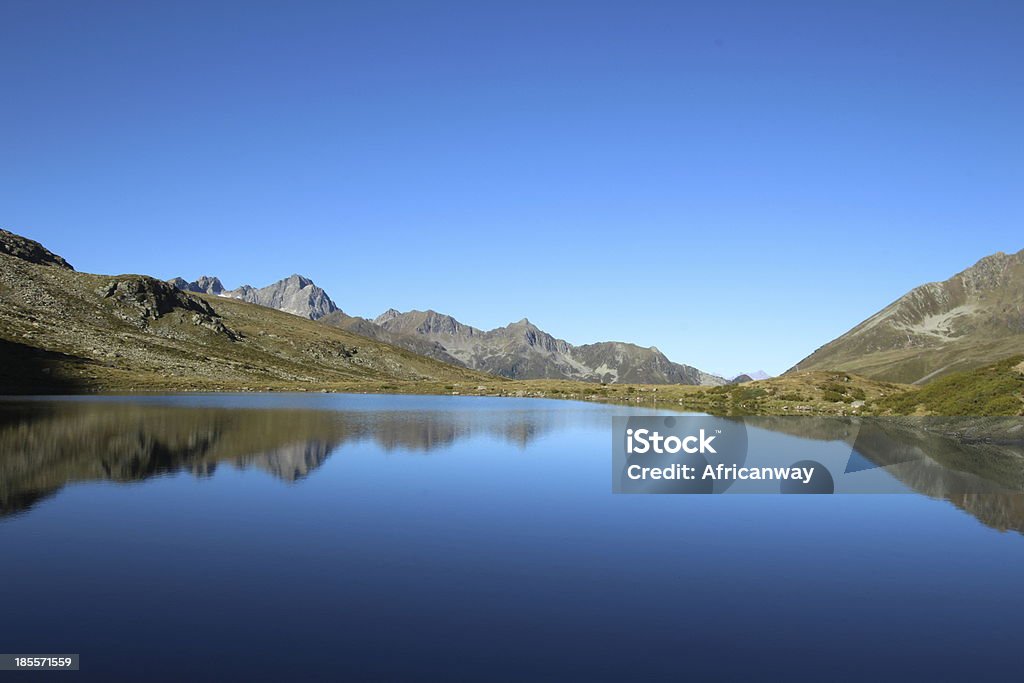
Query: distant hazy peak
[753,376]
[387,315]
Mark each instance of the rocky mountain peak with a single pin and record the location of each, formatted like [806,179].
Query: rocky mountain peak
[991,272]
[521,350]
[210,284]
[296,294]
[206,284]
[387,315]
[299,281]
[440,322]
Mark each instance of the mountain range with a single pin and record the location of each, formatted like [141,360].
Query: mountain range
[974,318]
[519,350]
[66,331]
[295,294]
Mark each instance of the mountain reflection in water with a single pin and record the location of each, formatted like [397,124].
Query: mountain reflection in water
[45,445]
[975,463]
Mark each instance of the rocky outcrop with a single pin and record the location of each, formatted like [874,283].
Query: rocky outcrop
[29,250]
[142,299]
[151,297]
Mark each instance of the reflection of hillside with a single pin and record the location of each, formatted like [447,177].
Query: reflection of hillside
[984,478]
[1003,511]
[45,445]
[427,430]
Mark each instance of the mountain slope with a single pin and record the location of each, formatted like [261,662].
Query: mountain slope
[366,328]
[61,330]
[521,350]
[296,294]
[973,318]
[995,389]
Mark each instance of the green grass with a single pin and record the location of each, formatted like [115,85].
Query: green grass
[996,389]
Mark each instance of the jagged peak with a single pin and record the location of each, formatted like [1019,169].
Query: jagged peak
[387,315]
[204,284]
[209,278]
[210,283]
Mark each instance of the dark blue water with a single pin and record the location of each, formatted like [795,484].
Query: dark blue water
[443,538]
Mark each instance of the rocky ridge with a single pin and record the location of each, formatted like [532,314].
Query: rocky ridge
[969,320]
[295,294]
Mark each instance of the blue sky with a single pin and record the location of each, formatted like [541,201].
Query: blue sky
[735,183]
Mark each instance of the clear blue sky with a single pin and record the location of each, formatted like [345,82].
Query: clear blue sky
[735,183]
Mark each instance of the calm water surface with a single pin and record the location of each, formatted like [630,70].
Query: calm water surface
[298,537]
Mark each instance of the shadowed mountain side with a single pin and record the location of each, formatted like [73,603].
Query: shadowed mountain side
[45,445]
[26,369]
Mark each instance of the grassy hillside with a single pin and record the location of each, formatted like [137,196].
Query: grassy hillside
[66,331]
[996,389]
[917,365]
